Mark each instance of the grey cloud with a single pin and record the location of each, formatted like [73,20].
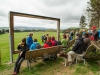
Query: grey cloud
[55,2]
[69,11]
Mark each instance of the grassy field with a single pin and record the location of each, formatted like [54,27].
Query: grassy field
[4,42]
[49,67]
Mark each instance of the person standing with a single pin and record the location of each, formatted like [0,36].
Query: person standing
[29,40]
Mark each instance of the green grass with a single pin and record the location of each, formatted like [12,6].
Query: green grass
[49,66]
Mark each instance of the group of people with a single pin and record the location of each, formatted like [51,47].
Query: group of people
[82,42]
[31,44]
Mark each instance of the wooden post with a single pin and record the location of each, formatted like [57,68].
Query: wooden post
[58,30]
[11,36]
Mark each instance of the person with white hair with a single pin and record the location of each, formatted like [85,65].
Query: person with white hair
[29,40]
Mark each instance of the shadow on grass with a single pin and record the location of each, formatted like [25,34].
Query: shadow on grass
[41,67]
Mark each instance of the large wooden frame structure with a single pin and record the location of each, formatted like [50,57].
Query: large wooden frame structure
[11,28]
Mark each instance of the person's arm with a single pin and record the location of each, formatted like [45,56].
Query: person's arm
[19,46]
[75,45]
[24,51]
[27,41]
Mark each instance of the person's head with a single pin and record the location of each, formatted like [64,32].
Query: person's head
[93,28]
[67,31]
[35,40]
[78,36]
[31,34]
[86,35]
[52,38]
[64,36]
[48,38]
[23,42]
[47,34]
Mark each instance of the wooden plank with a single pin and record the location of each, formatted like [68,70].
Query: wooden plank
[42,52]
[96,44]
[16,51]
[27,55]
[60,48]
[32,16]
[58,30]
[11,31]
[89,49]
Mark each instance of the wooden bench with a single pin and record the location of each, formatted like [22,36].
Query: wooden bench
[85,54]
[70,43]
[43,52]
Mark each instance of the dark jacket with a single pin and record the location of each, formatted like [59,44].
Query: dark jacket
[23,49]
[87,43]
[79,45]
[95,35]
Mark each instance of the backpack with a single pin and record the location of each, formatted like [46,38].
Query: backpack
[38,46]
[59,43]
[99,33]
[49,43]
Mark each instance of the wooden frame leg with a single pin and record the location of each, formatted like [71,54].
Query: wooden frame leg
[29,64]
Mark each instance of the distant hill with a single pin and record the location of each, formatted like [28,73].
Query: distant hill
[26,28]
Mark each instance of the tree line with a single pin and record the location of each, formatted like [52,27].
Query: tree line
[93,13]
[3,31]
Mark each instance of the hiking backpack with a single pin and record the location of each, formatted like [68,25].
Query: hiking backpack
[99,33]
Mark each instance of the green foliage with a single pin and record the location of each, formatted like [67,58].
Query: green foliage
[82,21]
[95,8]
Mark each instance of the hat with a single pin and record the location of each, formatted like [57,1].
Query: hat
[93,27]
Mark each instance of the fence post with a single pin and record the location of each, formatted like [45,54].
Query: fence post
[0,57]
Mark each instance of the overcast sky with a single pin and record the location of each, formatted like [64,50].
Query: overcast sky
[68,11]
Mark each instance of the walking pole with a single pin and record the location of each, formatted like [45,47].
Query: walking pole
[0,57]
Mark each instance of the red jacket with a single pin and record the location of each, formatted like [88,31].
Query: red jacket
[47,44]
[92,38]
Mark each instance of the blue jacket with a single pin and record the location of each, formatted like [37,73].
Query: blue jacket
[29,41]
[34,45]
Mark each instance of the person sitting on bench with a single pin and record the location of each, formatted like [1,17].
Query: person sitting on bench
[35,45]
[64,41]
[78,48]
[23,47]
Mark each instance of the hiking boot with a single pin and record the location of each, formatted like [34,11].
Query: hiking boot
[14,73]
